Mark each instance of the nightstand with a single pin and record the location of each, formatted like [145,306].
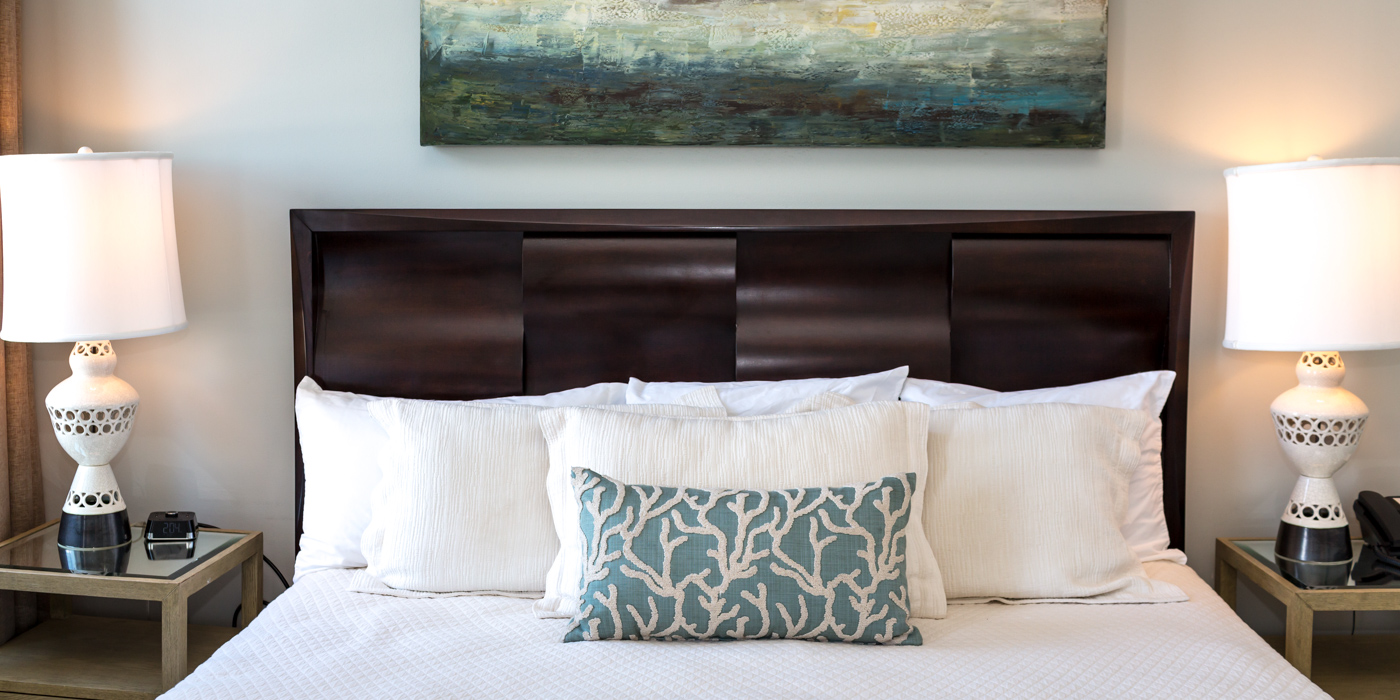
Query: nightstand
[1351,661]
[94,657]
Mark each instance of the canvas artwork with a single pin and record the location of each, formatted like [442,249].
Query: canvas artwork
[1017,73]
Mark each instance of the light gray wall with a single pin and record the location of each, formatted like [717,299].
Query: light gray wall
[270,105]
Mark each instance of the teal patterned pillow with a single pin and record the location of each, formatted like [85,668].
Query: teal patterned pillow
[826,564]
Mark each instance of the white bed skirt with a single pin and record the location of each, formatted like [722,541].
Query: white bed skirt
[320,641]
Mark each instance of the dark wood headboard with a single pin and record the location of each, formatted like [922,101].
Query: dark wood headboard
[468,304]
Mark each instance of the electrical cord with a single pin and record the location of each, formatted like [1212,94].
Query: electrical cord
[275,570]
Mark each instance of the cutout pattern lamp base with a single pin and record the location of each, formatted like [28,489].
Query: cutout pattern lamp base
[92,412]
[1319,425]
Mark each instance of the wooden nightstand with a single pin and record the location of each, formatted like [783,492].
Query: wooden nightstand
[1349,666]
[106,658]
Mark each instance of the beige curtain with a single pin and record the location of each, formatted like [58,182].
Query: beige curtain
[21,484]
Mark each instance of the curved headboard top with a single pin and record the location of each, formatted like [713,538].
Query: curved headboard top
[578,221]
[467,304]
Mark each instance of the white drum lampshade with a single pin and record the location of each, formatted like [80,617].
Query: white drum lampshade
[89,245]
[1315,268]
[1314,255]
[90,257]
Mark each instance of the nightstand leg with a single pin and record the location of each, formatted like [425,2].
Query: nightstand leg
[252,589]
[174,629]
[1298,637]
[1225,578]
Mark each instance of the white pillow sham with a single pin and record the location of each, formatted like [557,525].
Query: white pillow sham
[461,505]
[846,445]
[1024,503]
[758,398]
[340,444]
[824,401]
[1144,523]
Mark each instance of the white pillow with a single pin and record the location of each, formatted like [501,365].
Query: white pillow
[763,398]
[846,445]
[462,505]
[1144,523]
[704,397]
[1024,502]
[822,402]
[340,444]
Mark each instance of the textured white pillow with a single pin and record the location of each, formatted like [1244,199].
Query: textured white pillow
[762,398]
[1024,502]
[340,444]
[837,446]
[462,505]
[1144,523]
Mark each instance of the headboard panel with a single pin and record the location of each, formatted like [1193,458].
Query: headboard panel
[837,303]
[394,314]
[1031,313]
[478,303]
[610,307]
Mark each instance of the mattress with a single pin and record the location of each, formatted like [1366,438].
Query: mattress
[318,640]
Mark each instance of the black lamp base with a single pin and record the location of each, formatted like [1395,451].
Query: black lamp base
[1314,545]
[95,544]
[1314,557]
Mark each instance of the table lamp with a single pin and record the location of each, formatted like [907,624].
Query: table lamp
[89,257]
[1314,268]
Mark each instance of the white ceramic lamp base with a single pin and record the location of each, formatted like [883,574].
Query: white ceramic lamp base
[92,412]
[1319,425]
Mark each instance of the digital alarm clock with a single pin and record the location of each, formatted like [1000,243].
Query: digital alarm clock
[171,534]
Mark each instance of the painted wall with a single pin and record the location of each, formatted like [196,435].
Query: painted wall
[271,105]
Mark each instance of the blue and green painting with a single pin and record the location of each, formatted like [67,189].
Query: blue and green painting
[1018,73]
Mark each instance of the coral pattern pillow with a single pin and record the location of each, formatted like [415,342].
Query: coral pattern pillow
[826,564]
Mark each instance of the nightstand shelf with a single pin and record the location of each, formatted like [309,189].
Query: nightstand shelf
[89,657]
[97,657]
[1353,667]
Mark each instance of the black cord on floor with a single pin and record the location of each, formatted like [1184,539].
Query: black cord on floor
[1353,622]
[275,570]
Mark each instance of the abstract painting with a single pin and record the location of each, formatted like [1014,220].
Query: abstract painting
[979,73]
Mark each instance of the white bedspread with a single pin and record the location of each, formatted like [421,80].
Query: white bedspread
[320,641]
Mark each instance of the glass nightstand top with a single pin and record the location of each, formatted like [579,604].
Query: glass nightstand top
[1263,550]
[39,552]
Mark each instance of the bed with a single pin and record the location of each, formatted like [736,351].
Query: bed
[389,302]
